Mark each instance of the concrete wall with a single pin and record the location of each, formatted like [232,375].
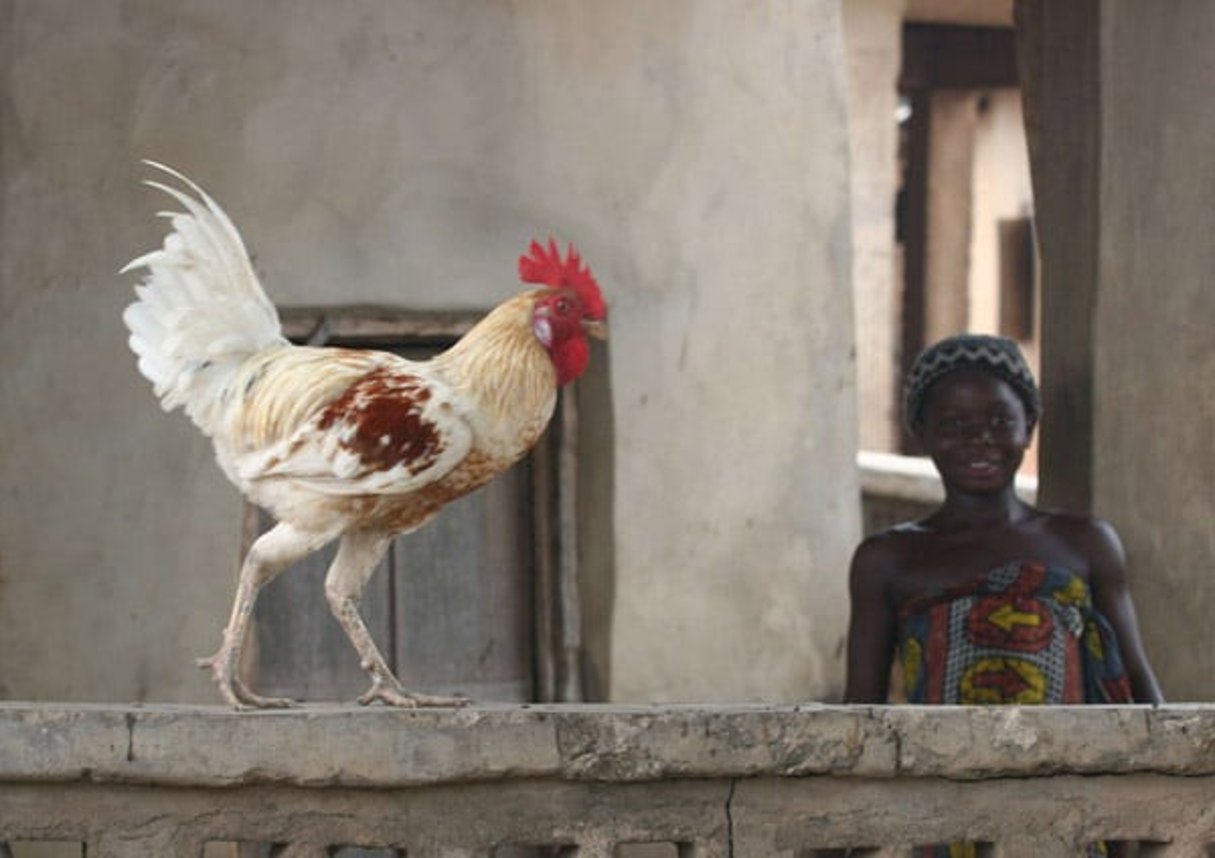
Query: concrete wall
[982,13]
[607,781]
[1057,48]
[1128,299]
[1001,192]
[403,153]
[1154,466]
[737,504]
[874,37]
[953,123]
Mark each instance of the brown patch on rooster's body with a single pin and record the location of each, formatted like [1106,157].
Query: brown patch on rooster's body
[379,420]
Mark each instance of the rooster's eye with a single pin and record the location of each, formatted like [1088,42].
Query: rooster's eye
[563,306]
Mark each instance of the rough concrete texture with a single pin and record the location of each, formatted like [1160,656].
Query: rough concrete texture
[735,513]
[1121,134]
[873,36]
[403,153]
[983,13]
[1057,46]
[712,782]
[1052,817]
[1153,362]
[341,746]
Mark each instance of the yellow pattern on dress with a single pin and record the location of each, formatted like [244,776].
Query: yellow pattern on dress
[973,691]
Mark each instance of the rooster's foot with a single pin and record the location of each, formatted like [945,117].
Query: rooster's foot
[236,693]
[389,692]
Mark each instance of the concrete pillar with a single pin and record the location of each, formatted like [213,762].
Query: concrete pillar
[953,121]
[873,35]
[1122,135]
[1001,195]
[736,493]
[1154,406]
[1057,53]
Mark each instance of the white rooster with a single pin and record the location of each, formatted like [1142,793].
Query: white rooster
[339,443]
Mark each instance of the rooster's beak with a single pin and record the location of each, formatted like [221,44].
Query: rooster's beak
[597,328]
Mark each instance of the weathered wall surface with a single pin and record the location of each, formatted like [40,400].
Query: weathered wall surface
[1122,129]
[736,504]
[1154,465]
[609,782]
[403,153]
[1057,46]
[873,36]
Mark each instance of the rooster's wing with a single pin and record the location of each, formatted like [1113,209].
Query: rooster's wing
[388,427]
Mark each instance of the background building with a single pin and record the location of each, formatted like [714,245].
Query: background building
[732,174]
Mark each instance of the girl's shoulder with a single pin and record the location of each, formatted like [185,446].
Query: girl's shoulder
[882,552]
[1092,538]
[1075,526]
[896,538]
[886,552]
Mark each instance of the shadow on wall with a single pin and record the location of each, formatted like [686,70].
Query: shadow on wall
[596,522]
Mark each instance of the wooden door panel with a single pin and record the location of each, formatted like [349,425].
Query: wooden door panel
[463,597]
[302,652]
[450,607]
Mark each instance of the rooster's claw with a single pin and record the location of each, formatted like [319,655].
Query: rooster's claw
[393,695]
[236,693]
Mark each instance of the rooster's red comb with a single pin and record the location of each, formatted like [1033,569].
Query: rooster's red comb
[544,265]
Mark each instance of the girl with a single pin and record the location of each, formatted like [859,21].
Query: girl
[989,600]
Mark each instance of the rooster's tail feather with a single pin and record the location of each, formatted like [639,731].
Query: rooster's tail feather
[200,310]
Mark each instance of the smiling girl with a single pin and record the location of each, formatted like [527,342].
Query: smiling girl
[989,600]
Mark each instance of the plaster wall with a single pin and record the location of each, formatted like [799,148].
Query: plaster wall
[620,781]
[873,36]
[403,153]
[950,212]
[1153,362]
[1001,192]
[737,502]
[1058,46]
[983,13]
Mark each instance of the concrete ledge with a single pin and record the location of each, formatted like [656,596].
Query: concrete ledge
[353,747]
[913,478]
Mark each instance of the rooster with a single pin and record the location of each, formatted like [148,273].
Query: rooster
[345,444]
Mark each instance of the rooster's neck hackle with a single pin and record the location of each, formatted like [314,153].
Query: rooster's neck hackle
[501,364]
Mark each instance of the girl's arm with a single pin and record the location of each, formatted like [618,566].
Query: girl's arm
[1112,597]
[870,627]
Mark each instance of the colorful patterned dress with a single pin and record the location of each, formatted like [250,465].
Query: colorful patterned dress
[1024,634]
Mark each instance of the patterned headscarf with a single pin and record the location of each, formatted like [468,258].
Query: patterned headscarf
[999,356]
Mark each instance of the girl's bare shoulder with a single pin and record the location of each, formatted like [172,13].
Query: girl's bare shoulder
[887,549]
[1092,537]
[1076,526]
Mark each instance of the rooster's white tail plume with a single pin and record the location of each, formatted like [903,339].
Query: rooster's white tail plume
[200,310]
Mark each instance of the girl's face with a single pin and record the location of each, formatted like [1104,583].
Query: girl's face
[975,429]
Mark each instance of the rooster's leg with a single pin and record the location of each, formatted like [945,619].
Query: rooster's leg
[270,554]
[357,557]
